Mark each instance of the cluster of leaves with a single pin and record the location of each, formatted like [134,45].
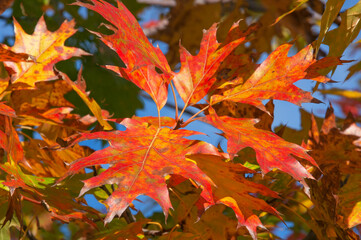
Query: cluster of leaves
[261,179]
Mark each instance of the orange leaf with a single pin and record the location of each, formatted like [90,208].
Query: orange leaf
[233,190]
[6,110]
[79,87]
[275,77]
[135,50]
[47,47]
[10,142]
[196,75]
[8,55]
[140,158]
[271,150]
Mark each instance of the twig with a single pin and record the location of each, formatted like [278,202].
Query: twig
[28,233]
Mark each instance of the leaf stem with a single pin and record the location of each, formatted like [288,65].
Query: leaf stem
[175,102]
[184,108]
[191,118]
[159,122]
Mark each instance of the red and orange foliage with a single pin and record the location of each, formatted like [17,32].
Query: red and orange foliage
[154,156]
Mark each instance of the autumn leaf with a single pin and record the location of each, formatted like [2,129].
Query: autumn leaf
[350,201]
[47,95]
[140,57]
[338,39]
[80,88]
[332,148]
[47,47]
[332,9]
[67,209]
[4,79]
[234,190]
[140,158]
[10,142]
[241,110]
[294,8]
[271,150]
[23,180]
[195,77]
[6,110]
[8,55]
[185,196]
[46,103]
[119,231]
[338,158]
[38,190]
[208,227]
[234,70]
[275,78]
[49,163]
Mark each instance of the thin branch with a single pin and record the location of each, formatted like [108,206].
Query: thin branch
[28,233]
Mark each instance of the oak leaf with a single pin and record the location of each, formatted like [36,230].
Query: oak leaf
[141,58]
[140,158]
[195,77]
[10,142]
[8,55]
[271,150]
[39,190]
[6,110]
[350,201]
[275,78]
[80,88]
[48,49]
[209,227]
[332,9]
[338,39]
[234,190]
[338,157]
[332,148]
